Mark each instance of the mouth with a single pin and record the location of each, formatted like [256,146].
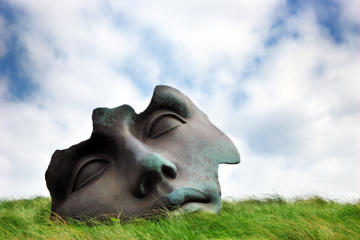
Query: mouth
[179,198]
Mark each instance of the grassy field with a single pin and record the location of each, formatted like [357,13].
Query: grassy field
[272,218]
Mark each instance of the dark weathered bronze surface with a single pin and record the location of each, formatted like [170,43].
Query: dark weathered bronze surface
[136,164]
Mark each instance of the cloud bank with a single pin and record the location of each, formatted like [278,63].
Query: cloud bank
[279,77]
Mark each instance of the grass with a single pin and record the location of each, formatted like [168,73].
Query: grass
[271,218]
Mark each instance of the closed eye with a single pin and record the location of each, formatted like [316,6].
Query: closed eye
[89,172]
[164,124]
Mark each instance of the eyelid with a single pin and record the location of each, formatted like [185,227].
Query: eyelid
[160,116]
[83,163]
[154,117]
[89,159]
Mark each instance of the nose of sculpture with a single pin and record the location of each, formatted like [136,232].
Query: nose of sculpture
[154,169]
[147,168]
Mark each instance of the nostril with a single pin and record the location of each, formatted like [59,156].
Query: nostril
[168,171]
[146,184]
[152,169]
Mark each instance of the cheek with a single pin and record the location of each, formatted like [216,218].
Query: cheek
[189,146]
[99,196]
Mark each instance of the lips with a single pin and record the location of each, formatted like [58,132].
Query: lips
[180,197]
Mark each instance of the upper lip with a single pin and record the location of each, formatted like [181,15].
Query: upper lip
[179,197]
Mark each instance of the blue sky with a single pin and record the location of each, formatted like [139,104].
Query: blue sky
[279,77]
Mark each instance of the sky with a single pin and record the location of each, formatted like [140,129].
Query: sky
[280,78]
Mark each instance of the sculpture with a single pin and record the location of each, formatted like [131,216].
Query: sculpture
[136,164]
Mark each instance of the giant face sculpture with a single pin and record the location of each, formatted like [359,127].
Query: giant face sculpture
[135,164]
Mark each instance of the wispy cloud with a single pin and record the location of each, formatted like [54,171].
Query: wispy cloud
[279,77]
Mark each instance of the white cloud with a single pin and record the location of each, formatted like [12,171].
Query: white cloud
[205,33]
[304,110]
[294,123]
[349,10]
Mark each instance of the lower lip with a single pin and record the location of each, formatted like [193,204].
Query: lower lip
[185,200]
[181,196]
[193,207]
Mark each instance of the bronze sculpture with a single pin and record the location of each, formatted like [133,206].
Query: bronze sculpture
[136,164]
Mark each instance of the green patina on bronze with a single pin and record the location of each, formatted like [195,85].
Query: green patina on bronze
[110,116]
[169,100]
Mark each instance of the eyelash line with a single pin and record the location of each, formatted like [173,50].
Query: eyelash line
[76,172]
[95,175]
[149,127]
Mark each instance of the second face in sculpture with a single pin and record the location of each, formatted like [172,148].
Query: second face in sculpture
[134,164]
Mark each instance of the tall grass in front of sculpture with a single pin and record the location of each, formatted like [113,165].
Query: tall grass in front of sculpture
[271,218]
